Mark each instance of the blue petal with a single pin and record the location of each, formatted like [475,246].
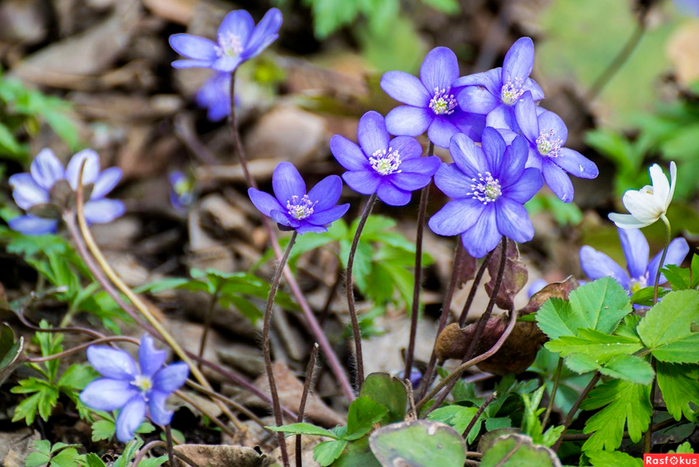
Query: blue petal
[525,113]
[502,117]
[409,181]
[422,165]
[519,61]
[157,408]
[226,64]
[112,363]
[32,225]
[91,171]
[46,169]
[476,99]
[130,418]
[103,210]
[238,23]
[26,192]
[328,216]
[513,161]
[362,181]
[171,378]
[549,122]
[531,86]
[456,217]
[491,80]
[558,181]
[452,181]
[494,149]
[348,154]
[179,64]
[310,228]
[392,195]
[408,121]
[676,252]
[265,33]
[107,394]
[106,181]
[467,156]
[526,187]
[287,182]
[439,70]
[407,147]
[470,124]
[596,265]
[194,47]
[326,193]
[636,251]
[371,133]
[264,202]
[150,359]
[576,164]
[405,88]
[513,220]
[483,237]
[283,218]
[441,131]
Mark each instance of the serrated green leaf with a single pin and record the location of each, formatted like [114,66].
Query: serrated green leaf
[677,277]
[363,413]
[684,448]
[327,452]
[103,430]
[388,391]
[68,457]
[679,385]
[77,376]
[598,345]
[153,461]
[629,368]
[93,460]
[612,459]
[458,418]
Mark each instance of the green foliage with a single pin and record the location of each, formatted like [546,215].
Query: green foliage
[570,385]
[104,427]
[518,451]
[458,417]
[58,455]
[680,388]
[10,350]
[532,424]
[612,459]
[564,213]
[388,391]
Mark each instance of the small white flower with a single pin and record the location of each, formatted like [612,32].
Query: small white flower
[650,203]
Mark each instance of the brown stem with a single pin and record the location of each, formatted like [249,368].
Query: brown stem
[474,289]
[556,381]
[296,291]
[168,438]
[155,444]
[207,324]
[266,350]
[304,397]
[329,299]
[417,284]
[240,408]
[512,452]
[574,409]
[206,413]
[349,289]
[80,348]
[480,411]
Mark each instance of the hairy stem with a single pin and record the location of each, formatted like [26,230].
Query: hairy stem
[315,328]
[556,382]
[574,409]
[278,418]
[304,397]
[349,289]
[478,414]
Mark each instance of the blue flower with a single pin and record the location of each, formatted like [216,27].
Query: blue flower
[391,168]
[536,286]
[489,187]
[494,93]
[238,40]
[131,388]
[181,191]
[295,209]
[546,134]
[215,95]
[38,193]
[431,103]
[640,272]
[687,7]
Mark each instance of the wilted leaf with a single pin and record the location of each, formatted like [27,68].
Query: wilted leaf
[513,280]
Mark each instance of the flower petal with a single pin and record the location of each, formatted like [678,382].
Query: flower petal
[226,63]
[513,161]
[526,187]
[287,182]
[676,253]
[179,64]
[326,193]
[441,131]
[525,113]
[408,121]
[483,237]
[627,221]
[265,33]
[452,181]
[502,117]
[392,195]
[673,181]
[26,192]
[439,70]
[106,181]
[558,181]
[532,86]
[456,217]
[46,169]
[362,181]
[171,378]
[408,148]
[576,164]
[112,363]
[107,394]
[513,220]
[157,408]
[237,23]
[264,202]
[92,168]
[194,47]
[150,359]
[636,251]
[421,165]
[596,265]
[644,206]
[491,80]
[661,185]
[550,123]
[405,88]
[494,149]
[103,211]
[130,418]
[32,225]
[476,99]
[371,133]
[348,154]
[283,218]
[410,181]
[329,215]
[470,124]
[467,156]
[519,61]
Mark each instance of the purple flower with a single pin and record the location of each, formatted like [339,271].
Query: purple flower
[215,95]
[133,389]
[431,105]
[536,286]
[181,191]
[48,190]
[688,7]
[391,168]
[294,208]
[641,273]
[238,40]
[489,187]
[494,93]
[546,134]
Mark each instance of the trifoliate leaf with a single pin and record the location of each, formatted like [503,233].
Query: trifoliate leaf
[458,417]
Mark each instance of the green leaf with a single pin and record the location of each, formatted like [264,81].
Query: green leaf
[103,430]
[518,451]
[680,387]
[684,448]
[77,376]
[645,296]
[666,329]
[531,423]
[625,404]
[363,413]
[9,145]
[458,417]
[598,305]
[388,391]
[303,429]
[600,346]
[419,443]
[327,452]
[449,7]
[245,307]
[612,459]
[10,351]
[41,454]
[66,458]
[93,460]
[357,454]
[629,368]
[153,461]
[678,277]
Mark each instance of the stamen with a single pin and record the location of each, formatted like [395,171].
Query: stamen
[300,208]
[637,284]
[548,145]
[485,189]
[385,162]
[443,103]
[229,44]
[511,91]
[143,383]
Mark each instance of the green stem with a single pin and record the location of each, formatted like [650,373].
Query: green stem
[668,235]
[556,382]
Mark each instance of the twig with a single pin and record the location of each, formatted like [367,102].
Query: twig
[474,289]
[154,444]
[168,437]
[480,411]
[349,289]
[304,396]
[80,348]
[236,406]
[576,406]
[206,413]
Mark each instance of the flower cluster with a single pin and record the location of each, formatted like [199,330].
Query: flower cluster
[133,389]
[47,191]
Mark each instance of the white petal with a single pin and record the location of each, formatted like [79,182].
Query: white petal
[643,206]
[673,181]
[661,185]
[626,221]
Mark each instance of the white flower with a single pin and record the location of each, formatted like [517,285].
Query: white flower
[650,203]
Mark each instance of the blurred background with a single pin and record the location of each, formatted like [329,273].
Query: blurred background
[623,74]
